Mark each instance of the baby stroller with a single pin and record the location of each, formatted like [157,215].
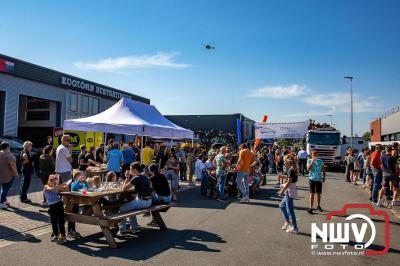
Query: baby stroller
[208,184]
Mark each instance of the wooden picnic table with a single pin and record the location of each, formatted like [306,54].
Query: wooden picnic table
[96,216]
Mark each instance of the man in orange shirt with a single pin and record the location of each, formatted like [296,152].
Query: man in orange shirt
[245,162]
[376,166]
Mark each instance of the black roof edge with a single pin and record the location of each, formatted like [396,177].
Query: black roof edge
[71,76]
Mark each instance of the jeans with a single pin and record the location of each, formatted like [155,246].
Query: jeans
[244,189]
[161,199]
[5,187]
[303,166]
[25,183]
[182,171]
[287,208]
[64,176]
[221,180]
[132,205]
[205,183]
[376,184]
[173,178]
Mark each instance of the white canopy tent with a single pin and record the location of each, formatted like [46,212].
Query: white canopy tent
[130,117]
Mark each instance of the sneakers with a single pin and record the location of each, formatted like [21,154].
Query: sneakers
[3,206]
[62,240]
[380,203]
[285,226]
[310,211]
[292,230]
[26,201]
[54,238]
[121,233]
[245,200]
[395,203]
[319,209]
[152,223]
[6,203]
[73,234]
[133,230]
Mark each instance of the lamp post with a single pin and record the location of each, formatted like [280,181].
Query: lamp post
[330,116]
[351,109]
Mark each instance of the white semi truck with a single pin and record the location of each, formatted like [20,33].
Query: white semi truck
[326,141]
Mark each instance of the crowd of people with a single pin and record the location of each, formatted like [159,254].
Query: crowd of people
[155,172]
[378,170]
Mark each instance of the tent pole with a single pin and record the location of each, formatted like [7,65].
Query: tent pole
[141,149]
[104,152]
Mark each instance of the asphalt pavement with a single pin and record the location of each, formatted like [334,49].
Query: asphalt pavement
[203,231]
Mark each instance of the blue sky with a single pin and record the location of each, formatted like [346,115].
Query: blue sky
[285,59]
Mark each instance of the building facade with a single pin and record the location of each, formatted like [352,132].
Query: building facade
[34,100]
[387,127]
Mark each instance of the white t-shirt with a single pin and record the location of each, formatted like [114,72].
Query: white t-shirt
[62,164]
[198,168]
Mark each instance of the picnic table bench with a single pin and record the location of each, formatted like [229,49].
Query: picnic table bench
[95,216]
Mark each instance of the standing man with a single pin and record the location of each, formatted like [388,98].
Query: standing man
[245,162]
[302,156]
[316,169]
[115,159]
[64,159]
[221,171]
[100,154]
[8,172]
[376,167]
[181,157]
[390,175]
[147,155]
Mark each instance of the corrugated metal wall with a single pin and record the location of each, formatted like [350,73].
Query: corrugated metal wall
[14,86]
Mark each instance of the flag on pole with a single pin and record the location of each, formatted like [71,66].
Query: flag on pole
[258,141]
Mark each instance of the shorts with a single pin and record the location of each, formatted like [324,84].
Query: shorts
[390,178]
[315,186]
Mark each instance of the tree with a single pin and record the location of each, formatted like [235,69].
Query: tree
[367,136]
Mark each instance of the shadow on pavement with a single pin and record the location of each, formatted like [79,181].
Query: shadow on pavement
[15,236]
[146,244]
[32,215]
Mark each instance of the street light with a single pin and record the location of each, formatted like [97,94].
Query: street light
[351,109]
[331,119]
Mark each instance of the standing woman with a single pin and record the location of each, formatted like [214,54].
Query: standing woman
[46,166]
[356,167]
[27,171]
[172,169]
[289,190]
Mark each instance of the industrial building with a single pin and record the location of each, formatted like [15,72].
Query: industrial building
[34,100]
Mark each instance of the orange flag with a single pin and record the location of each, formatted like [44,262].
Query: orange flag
[258,141]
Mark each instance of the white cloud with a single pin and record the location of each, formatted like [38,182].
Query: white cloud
[158,60]
[340,102]
[279,92]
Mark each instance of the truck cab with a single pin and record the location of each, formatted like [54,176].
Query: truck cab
[326,141]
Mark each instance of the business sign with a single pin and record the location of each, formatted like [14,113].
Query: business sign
[6,66]
[90,87]
[77,138]
[295,130]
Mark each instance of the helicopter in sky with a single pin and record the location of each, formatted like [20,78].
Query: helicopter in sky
[209,46]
